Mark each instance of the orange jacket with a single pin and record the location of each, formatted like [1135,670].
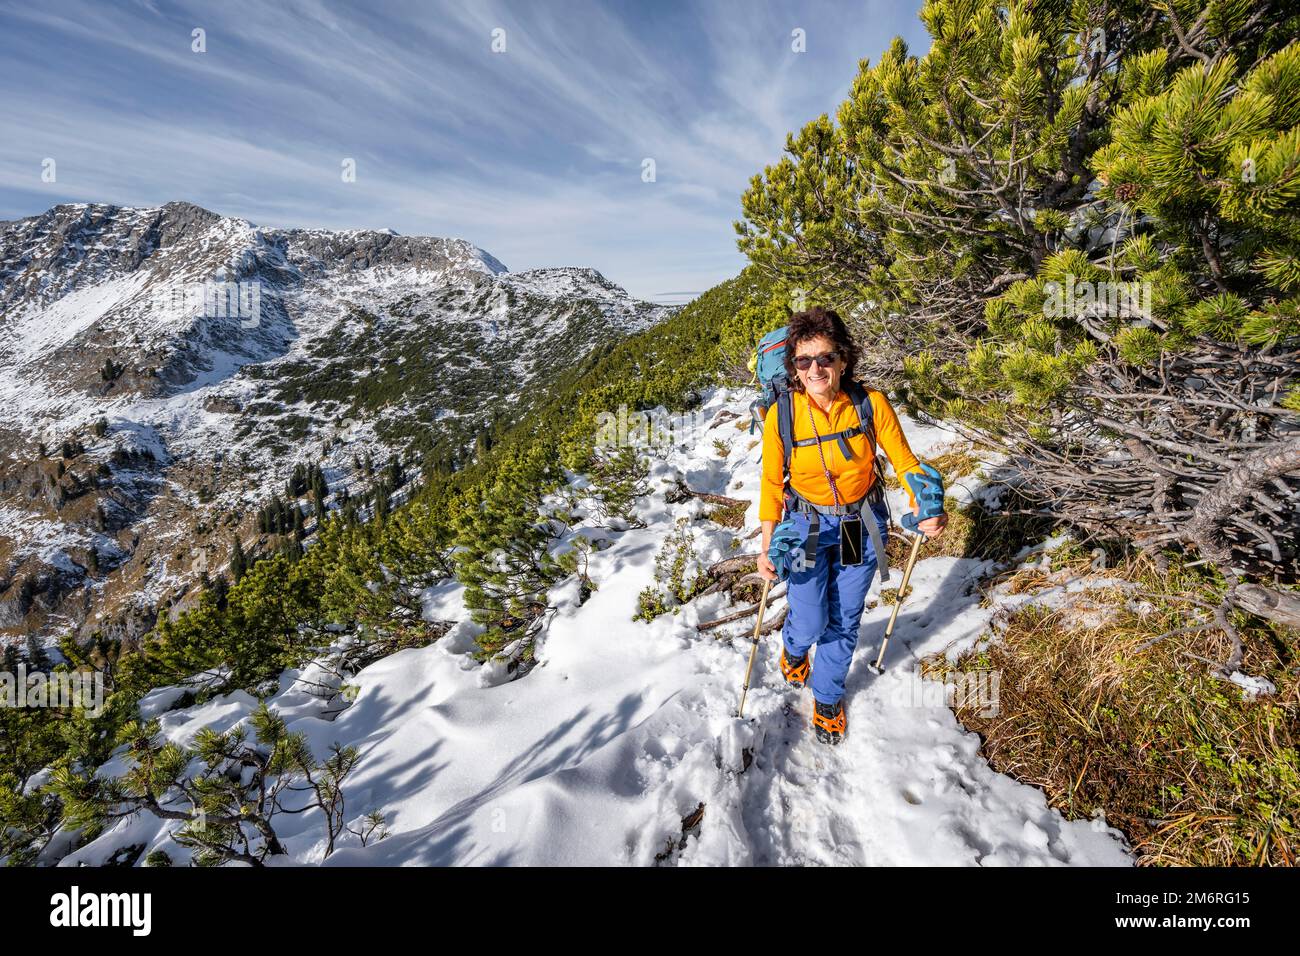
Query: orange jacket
[852,478]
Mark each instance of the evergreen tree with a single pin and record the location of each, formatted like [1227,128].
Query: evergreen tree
[254,633]
[297,483]
[991,217]
[238,561]
[394,474]
[503,554]
[220,588]
[230,804]
[619,479]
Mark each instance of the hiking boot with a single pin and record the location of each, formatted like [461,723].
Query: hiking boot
[795,671]
[829,721]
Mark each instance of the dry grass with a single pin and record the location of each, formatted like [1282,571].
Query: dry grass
[957,462]
[889,596]
[1124,717]
[729,516]
[973,532]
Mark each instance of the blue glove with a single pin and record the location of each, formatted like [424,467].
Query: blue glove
[927,489]
[786,548]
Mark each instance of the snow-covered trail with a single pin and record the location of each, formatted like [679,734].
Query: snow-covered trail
[624,729]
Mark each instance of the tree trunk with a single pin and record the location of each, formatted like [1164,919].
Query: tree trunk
[680,492]
[1281,607]
[1228,496]
[747,612]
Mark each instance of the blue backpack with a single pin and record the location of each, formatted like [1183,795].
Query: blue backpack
[768,364]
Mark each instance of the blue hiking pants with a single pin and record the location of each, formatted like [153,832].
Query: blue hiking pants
[826,601]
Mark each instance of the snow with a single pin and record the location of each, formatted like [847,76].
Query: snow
[34,332]
[624,728]
[97,297]
[1252,687]
[48,539]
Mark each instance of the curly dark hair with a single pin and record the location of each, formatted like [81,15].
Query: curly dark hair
[816,323]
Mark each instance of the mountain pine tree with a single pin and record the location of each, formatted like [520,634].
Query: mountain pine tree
[1072,227]
[503,550]
[619,478]
[238,561]
[229,806]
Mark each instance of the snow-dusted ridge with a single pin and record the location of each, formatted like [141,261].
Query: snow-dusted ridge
[352,342]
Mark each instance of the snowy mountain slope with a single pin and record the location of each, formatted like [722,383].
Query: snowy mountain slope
[624,729]
[189,412]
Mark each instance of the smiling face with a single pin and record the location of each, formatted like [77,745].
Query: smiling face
[822,382]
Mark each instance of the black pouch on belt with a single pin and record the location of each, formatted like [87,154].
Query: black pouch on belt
[850,540]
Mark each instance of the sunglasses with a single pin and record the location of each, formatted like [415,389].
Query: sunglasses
[825,360]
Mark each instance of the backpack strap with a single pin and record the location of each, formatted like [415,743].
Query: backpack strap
[841,438]
[785,427]
[861,399]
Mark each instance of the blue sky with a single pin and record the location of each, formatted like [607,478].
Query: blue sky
[535,153]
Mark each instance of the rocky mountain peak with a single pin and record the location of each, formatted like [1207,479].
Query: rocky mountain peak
[163,369]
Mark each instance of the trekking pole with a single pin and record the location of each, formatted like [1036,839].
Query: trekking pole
[753,651]
[898,604]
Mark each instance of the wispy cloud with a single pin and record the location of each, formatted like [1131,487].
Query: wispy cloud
[535,153]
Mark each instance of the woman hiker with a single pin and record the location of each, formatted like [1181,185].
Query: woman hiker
[826,597]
